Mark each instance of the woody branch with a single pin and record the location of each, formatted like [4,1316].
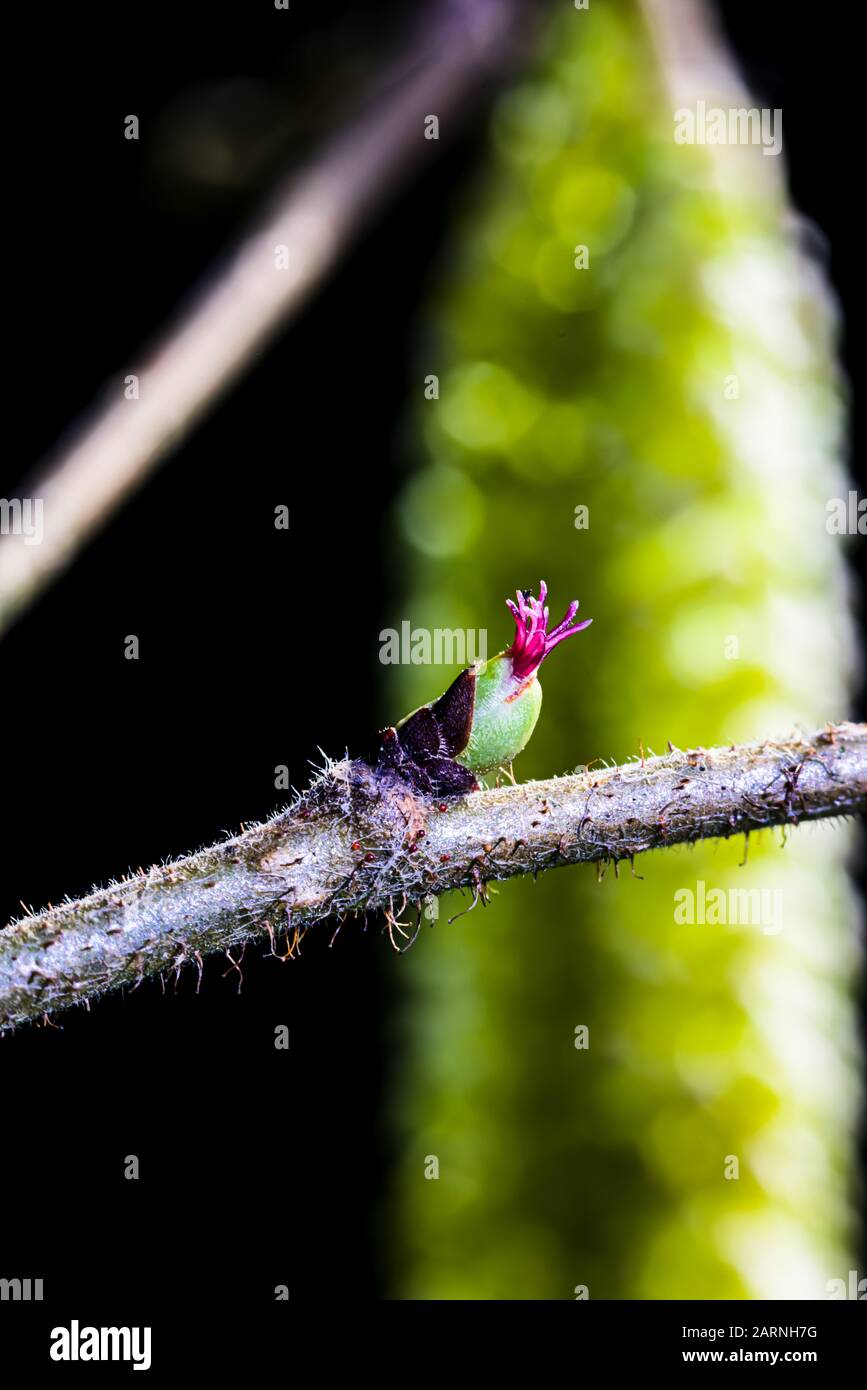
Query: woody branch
[358,842]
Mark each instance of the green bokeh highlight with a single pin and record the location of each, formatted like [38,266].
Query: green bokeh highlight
[720,613]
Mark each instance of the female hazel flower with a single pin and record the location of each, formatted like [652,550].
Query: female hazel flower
[486,716]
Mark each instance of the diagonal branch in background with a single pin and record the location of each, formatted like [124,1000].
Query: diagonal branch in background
[357,842]
[244,301]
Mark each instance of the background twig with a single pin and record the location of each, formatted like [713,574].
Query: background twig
[246,299]
[355,844]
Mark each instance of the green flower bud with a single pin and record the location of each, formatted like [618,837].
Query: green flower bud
[486,716]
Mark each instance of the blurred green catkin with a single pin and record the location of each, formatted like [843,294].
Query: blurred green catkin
[682,388]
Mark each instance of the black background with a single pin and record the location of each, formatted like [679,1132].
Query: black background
[257,646]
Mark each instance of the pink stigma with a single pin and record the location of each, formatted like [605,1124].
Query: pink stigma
[533,641]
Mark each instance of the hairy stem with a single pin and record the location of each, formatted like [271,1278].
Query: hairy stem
[360,842]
